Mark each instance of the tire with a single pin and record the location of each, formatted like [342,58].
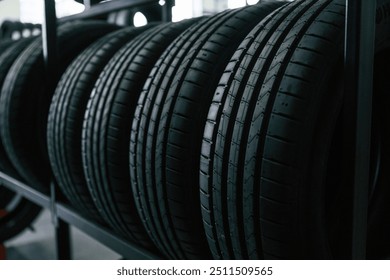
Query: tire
[4,45]
[5,197]
[16,30]
[168,126]
[107,125]
[6,29]
[17,214]
[226,200]
[378,243]
[273,141]
[7,58]
[26,97]
[66,116]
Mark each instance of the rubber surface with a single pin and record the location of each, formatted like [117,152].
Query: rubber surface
[7,58]
[107,125]
[270,166]
[168,126]
[17,217]
[5,44]
[378,243]
[17,213]
[227,196]
[26,97]
[66,116]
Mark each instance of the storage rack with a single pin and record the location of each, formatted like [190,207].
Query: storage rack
[358,75]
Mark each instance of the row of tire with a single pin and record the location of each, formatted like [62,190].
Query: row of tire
[216,137]
[16,30]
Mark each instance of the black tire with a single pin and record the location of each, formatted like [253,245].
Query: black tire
[168,127]
[5,197]
[107,125]
[226,200]
[7,58]
[66,116]
[6,29]
[26,97]
[272,145]
[16,214]
[5,44]
[13,30]
[378,243]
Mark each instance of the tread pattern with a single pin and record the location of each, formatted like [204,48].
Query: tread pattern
[257,133]
[227,197]
[168,126]
[24,212]
[288,118]
[10,50]
[66,116]
[26,97]
[107,125]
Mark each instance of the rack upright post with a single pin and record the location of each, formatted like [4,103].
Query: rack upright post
[359,57]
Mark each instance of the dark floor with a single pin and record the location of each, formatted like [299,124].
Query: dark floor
[40,244]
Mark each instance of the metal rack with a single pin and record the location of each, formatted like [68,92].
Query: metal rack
[359,53]
[358,63]
[67,216]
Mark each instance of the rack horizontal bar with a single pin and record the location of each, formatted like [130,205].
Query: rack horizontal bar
[27,192]
[105,236]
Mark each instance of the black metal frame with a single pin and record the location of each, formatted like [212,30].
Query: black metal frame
[358,63]
[67,216]
[359,57]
